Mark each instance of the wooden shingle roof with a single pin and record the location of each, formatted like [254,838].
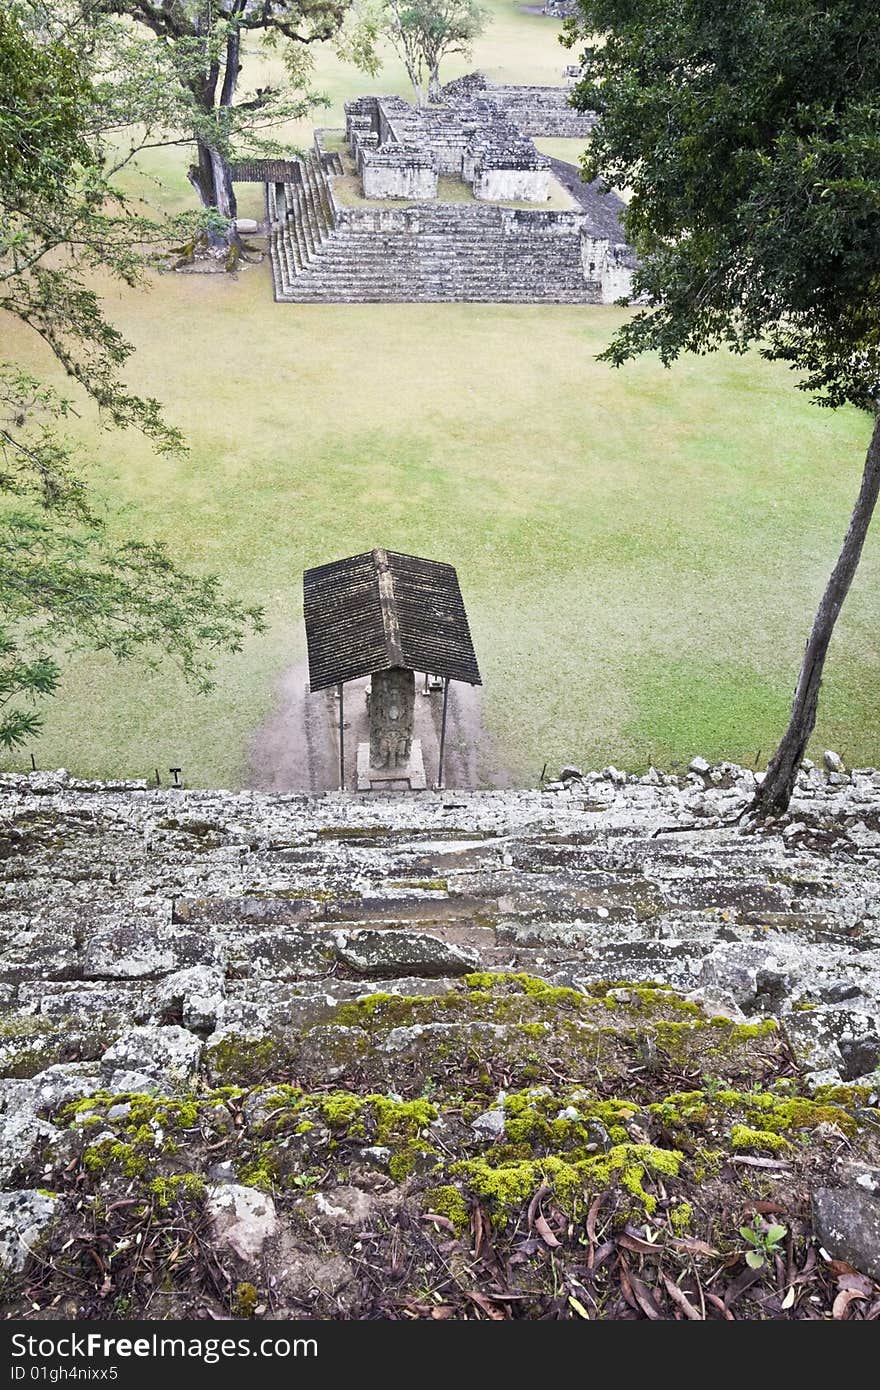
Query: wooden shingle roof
[383,609]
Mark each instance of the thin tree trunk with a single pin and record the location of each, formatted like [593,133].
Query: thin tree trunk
[415,79]
[233,67]
[224,193]
[211,177]
[775,792]
[434,93]
[201,176]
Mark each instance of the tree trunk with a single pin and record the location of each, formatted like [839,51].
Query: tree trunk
[233,67]
[224,193]
[201,175]
[775,792]
[415,79]
[434,93]
[212,180]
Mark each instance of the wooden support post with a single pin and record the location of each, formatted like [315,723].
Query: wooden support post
[339,690]
[443,734]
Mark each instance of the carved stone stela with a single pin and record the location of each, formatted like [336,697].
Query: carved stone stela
[387,615]
[392,756]
[392,714]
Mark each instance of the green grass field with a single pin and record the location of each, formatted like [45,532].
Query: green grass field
[640,551]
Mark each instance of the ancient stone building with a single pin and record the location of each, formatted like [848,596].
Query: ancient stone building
[449,202]
[534,110]
[399,147]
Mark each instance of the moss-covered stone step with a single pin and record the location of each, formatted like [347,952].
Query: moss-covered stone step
[500,1024]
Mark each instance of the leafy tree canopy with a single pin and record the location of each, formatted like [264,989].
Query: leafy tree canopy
[749,134]
[65,582]
[424,32]
[200,50]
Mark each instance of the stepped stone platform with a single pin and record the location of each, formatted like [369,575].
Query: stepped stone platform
[529,1054]
[407,240]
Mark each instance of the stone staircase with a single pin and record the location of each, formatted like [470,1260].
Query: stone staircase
[320,253]
[122,907]
[301,216]
[502,1054]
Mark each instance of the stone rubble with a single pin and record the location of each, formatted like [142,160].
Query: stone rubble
[24,1217]
[242,1220]
[848,1225]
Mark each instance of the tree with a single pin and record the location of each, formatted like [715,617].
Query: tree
[423,32]
[65,582]
[749,133]
[200,51]
[62,214]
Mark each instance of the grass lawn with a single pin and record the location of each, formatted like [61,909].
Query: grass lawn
[568,150]
[640,551]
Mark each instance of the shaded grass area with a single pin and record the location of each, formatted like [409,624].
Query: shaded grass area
[640,551]
[558,147]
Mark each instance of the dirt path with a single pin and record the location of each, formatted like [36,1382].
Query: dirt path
[297,749]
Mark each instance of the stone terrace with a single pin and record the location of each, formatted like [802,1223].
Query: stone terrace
[534,110]
[242,914]
[281,1056]
[434,251]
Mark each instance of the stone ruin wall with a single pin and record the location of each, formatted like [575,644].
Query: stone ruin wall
[398,173]
[532,253]
[611,264]
[534,110]
[542,111]
[400,151]
[499,185]
[119,897]
[534,250]
[439,218]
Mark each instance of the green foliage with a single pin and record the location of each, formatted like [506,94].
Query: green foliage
[423,32]
[62,216]
[764,1241]
[65,581]
[749,135]
[44,106]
